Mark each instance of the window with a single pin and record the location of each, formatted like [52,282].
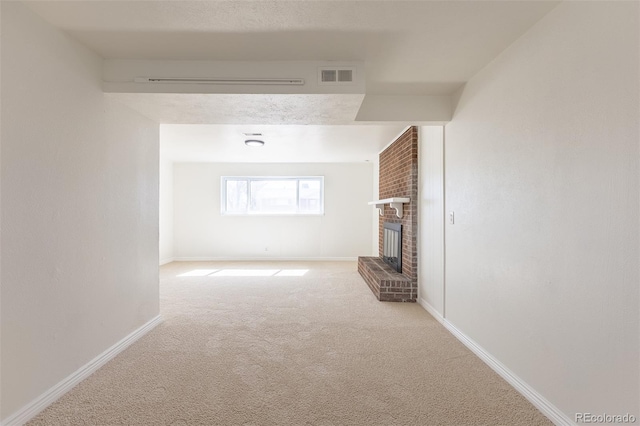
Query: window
[272,195]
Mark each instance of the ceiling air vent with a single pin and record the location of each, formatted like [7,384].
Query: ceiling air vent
[337,75]
[345,76]
[328,76]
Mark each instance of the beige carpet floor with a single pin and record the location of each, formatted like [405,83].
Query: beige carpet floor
[316,349]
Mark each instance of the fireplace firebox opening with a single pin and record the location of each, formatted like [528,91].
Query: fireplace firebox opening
[392,245]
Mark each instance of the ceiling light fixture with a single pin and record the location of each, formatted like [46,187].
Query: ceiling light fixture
[253,142]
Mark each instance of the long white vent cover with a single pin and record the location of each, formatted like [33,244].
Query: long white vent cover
[252,81]
[336,75]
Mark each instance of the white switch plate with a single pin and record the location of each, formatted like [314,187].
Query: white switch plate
[451,218]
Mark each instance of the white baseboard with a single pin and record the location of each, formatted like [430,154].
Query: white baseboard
[541,403]
[165,261]
[427,307]
[267,259]
[32,409]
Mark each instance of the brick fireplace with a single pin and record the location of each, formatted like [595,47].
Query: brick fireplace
[398,178]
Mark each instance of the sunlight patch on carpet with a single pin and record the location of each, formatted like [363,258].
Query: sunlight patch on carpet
[245,273]
[292,273]
[198,273]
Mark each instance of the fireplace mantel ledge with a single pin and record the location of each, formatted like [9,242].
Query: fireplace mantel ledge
[395,203]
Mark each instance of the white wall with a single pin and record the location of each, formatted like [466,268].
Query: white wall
[542,163]
[1,32]
[79,210]
[166,210]
[201,232]
[375,222]
[431,218]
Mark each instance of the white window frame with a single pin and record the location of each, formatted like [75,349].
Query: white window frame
[249,179]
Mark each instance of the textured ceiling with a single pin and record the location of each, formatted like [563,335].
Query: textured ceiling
[293,143]
[410,47]
[244,108]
